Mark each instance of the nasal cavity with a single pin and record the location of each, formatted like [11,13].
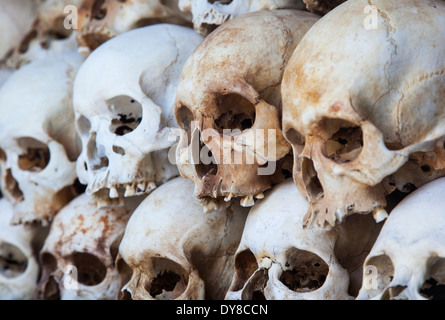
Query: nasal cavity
[12,190]
[207,165]
[313,185]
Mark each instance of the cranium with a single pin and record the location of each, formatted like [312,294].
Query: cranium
[408,258]
[38,141]
[278,259]
[210,14]
[16,17]
[49,34]
[181,252]
[230,88]
[123,99]
[101,20]
[19,247]
[358,105]
[78,257]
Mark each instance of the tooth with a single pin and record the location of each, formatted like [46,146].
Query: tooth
[140,188]
[210,206]
[247,202]
[259,196]
[380,215]
[229,197]
[129,191]
[113,193]
[150,187]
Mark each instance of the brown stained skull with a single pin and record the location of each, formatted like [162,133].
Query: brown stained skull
[363,110]
[228,105]
[101,20]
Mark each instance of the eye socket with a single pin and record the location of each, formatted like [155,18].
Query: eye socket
[99,10]
[380,270]
[90,270]
[345,143]
[13,262]
[434,286]
[36,155]
[127,115]
[170,282]
[305,272]
[237,113]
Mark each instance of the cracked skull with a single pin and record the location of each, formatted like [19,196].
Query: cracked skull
[351,106]
[408,258]
[181,252]
[78,257]
[124,113]
[229,106]
[210,14]
[101,20]
[38,141]
[278,259]
[19,245]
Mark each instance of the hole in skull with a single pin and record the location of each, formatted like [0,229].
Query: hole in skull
[170,281]
[127,114]
[224,2]
[306,271]
[237,114]
[379,275]
[58,30]
[2,155]
[51,290]
[125,274]
[35,156]
[83,126]
[207,164]
[245,266]
[313,185]
[434,287]
[184,118]
[13,261]
[294,137]
[346,144]
[119,150]
[48,262]
[90,270]
[12,189]
[99,10]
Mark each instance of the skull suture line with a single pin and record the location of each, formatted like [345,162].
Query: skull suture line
[124,113]
[232,83]
[358,105]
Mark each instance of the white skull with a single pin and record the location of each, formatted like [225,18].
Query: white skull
[16,18]
[38,141]
[172,250]
[52,33]
[101,20]
[124,98]
[231,83]
[408,258]
[278,259]
[78,257]
[19,245]
[357,105]
[210,14]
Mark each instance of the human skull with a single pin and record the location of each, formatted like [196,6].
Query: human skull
[229,105]
[38,141]
[16,17]
[19,245]
[49,35]
[210,14]
[352,100]
[101,20]
[278,259]
[408,258]
[172,250]
[78,257]
[123,99]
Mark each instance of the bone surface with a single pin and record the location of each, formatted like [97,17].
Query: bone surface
[351,102]
[173,250]
[123,99]
[228,105]
[38,142]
